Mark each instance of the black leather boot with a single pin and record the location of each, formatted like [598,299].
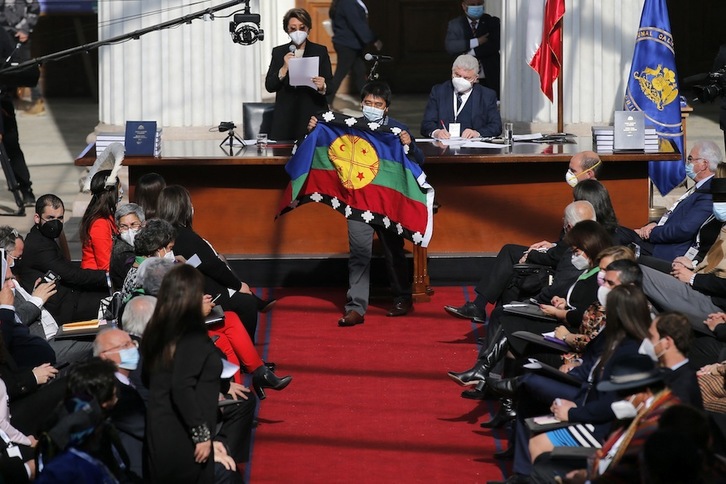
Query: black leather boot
[505,413]
[505,387]
[263,378]
[478,373]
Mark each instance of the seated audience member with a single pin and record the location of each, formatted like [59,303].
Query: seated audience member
[80,445]
[642,398]
[492,286]
[98,228]
[697,291]
[585,405]
[676,231]
[17,462]
[668,346]
[155,239]
[146,193]
[80,290]
[129,220]
[706,236]
[595,192]
[175,206]
[462,103]
[585,165]
[231,339]
[129,414]
[32,341]
[136,315]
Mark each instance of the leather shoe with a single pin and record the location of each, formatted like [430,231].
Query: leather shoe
[505,413]
[471,376]
[351,318]
[505,387]
[400,308]
[478,393]
[467,311]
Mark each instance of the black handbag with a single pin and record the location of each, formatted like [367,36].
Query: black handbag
[530,279]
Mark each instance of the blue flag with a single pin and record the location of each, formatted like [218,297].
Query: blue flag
[653,89]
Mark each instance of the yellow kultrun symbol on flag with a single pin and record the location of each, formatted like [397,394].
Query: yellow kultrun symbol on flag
[355,160]
[658,85]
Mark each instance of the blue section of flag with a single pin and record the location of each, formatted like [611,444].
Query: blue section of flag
[653,89]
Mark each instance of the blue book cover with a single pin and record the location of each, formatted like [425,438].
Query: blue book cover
[140,138]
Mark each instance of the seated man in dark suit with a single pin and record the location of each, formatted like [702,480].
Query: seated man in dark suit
[129,413]
[80,290]
[675,233]
[462,104]
[477,33]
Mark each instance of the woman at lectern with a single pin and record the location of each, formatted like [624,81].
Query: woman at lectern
[294,105]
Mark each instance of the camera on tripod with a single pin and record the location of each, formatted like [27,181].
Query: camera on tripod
[714,86]
[226,126]
[245,28]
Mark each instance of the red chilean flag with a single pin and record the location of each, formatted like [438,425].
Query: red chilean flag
[544,41]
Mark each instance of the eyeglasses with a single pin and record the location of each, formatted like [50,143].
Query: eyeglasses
[691,159]
[124,227]
[129,344]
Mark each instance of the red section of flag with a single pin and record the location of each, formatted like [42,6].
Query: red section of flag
[547,61]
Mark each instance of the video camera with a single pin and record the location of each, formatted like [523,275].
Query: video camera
[245,28]
[714,85]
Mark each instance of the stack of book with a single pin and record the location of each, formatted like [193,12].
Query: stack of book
[105,139]
[137,139]
[603,138]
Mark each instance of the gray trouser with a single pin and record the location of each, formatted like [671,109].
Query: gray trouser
[670,294]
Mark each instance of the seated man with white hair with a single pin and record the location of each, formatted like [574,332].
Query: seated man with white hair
[461,106]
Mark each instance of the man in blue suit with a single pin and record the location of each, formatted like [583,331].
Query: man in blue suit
[461,104]
[675,233]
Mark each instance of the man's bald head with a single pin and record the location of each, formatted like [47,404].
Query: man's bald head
[585,165]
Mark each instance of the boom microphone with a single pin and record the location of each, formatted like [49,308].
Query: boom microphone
[379,58]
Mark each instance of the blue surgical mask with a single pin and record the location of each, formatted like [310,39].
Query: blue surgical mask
[129,358]
[373,114]
[690,171]
[475,11]
[719,211]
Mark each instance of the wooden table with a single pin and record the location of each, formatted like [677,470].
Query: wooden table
[488,197]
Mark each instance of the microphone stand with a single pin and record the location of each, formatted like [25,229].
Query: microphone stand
[373,74]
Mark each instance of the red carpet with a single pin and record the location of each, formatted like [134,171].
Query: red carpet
[371,403]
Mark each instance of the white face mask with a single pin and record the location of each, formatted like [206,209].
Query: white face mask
[624,409]
[602,294]
[129,236]
[298,37]
[460,84]
[373,114]
[169,255]
[648,348]
[580,262]
[571,178]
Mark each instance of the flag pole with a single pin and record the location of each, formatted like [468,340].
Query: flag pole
[560,110]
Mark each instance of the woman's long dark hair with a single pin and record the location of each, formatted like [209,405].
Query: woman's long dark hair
[175,206]
[628,315]
[590,237]
[178,312]
[102,204]
[594,192]
[146,193]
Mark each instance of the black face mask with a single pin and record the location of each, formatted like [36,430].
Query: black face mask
[51,229]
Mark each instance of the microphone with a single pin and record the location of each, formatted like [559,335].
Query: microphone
[292,48]
[379,58]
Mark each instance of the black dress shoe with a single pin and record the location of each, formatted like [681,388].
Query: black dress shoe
[266,306]
[400,308]
[271,365]
[28,198]
[263,378]
[505,387]
[469,377]
[505,414]
[351,318]
[481,392]
[467,311]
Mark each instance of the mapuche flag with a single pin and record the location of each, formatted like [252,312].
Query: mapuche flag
[653,89]
[362,170]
